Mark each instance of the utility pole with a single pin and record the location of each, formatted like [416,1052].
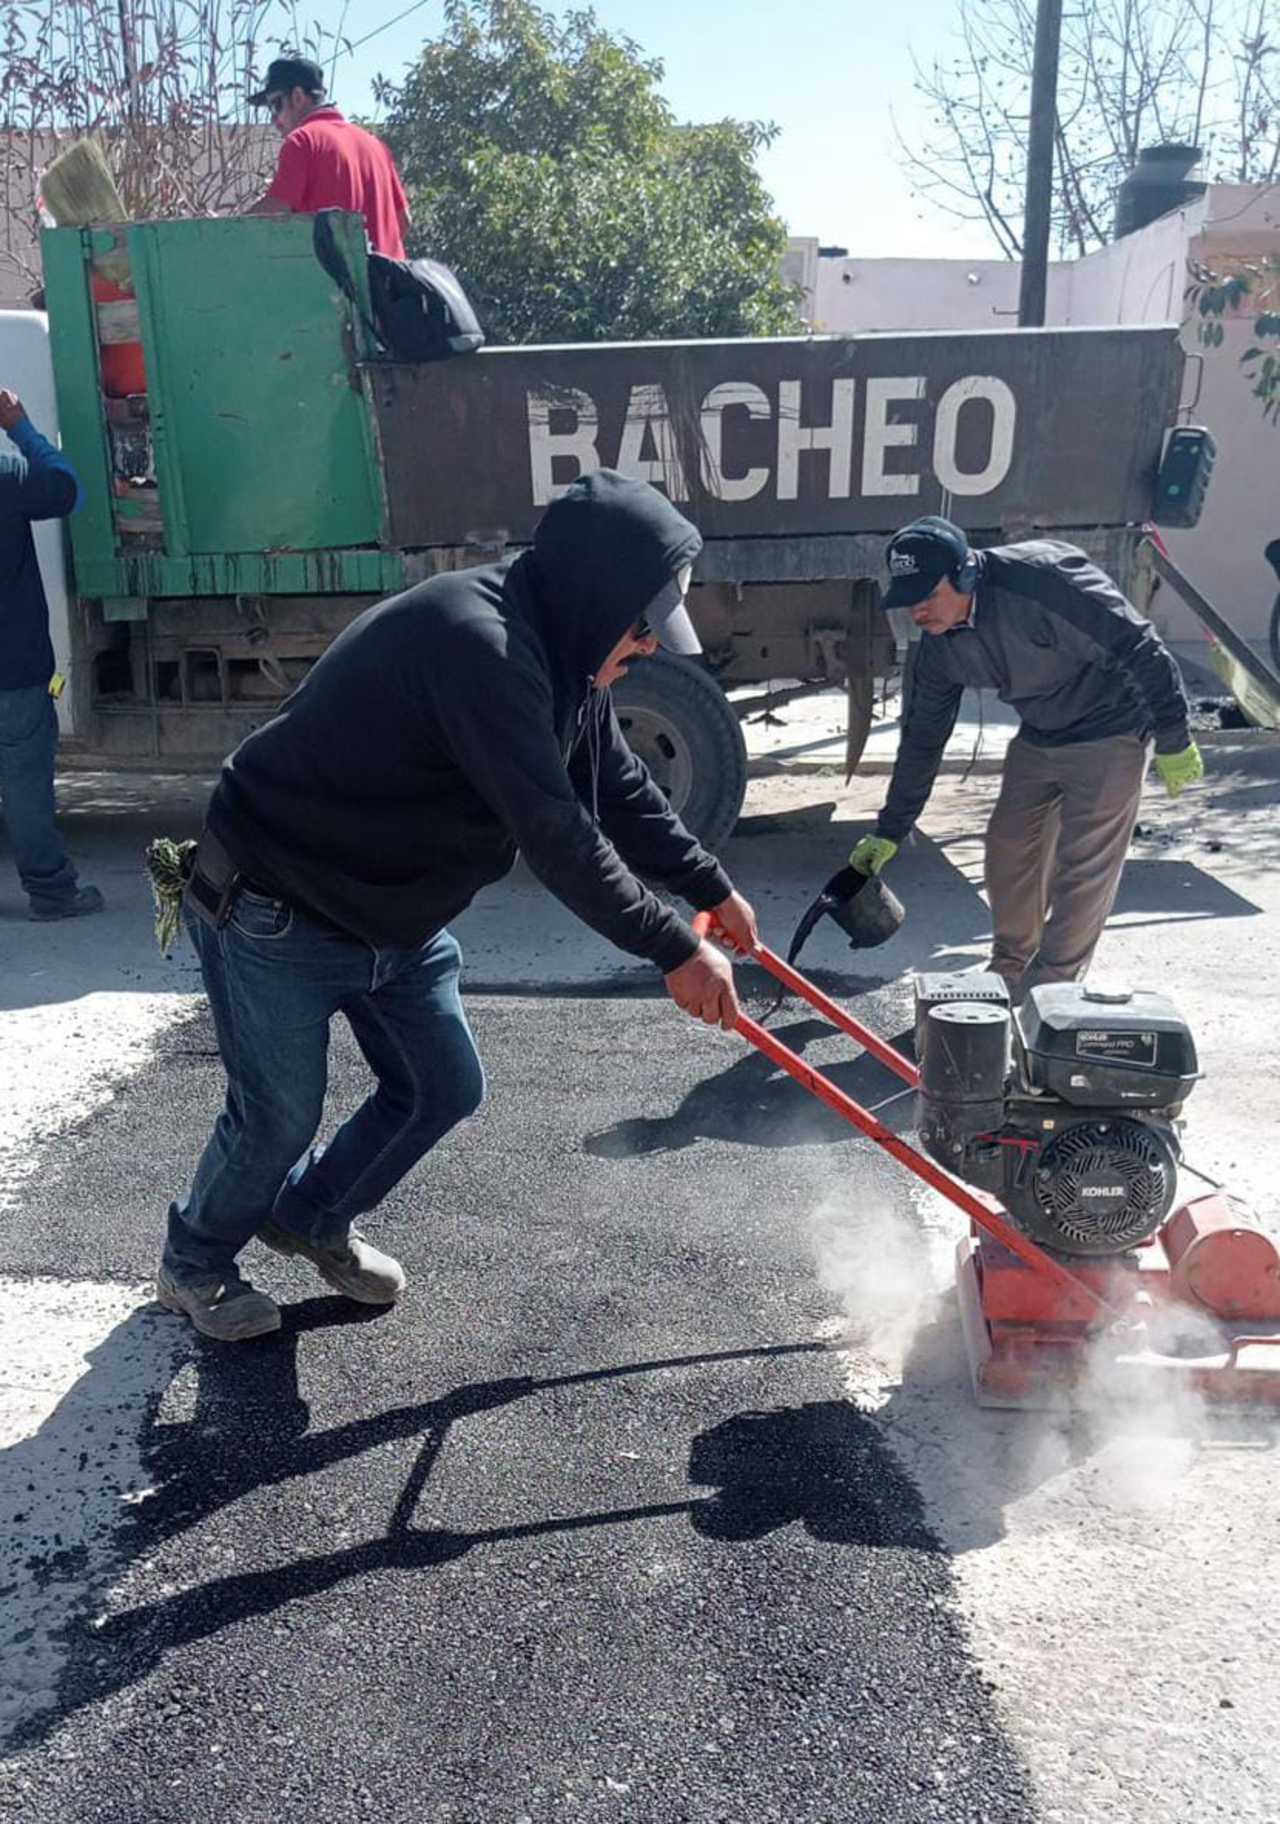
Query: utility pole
[1040,143]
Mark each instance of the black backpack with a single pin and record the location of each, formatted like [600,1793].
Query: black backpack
[420,311]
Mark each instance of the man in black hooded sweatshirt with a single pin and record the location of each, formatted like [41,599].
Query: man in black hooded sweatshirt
[442,731]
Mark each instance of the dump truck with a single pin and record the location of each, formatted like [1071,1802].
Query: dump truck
[256,472]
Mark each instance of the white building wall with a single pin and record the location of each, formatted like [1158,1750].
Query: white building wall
[855,296]
[1140,279]
[1242,217]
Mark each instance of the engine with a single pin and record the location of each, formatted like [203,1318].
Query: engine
[1065,1108]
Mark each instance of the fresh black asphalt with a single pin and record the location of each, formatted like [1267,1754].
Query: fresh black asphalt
[584,1530]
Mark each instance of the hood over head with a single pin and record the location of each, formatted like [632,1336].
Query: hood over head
[601,554]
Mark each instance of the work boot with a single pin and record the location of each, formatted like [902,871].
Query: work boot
[68,905]
[226,1308]
[358,1269]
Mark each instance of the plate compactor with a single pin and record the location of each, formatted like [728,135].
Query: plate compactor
[1054,1128]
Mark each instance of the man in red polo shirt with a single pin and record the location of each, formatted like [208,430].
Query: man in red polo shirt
[325,161]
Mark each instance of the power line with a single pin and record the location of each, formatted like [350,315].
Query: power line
[384,27]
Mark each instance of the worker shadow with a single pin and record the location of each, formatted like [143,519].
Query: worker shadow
[107,821]
[223,1425]
[1253,790]
[113,952]
[81,1506]
[1244,797]
[755,1103]
[1160,890]
[1154,890]
[797,819]
[821,1465]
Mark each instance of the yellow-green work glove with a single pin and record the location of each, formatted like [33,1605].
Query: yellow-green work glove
[1181,769]
[871,853]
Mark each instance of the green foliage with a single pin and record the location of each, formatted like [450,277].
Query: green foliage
[545,167]
[1213,295]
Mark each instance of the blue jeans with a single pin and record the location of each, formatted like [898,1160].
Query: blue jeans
[28,743]
[275,978]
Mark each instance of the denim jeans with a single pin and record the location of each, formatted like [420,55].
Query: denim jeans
[28,743]
[275,977]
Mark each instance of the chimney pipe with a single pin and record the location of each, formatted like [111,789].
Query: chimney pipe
[1157,183]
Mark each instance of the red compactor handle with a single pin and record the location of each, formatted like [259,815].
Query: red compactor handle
[706,924]
[982,1210]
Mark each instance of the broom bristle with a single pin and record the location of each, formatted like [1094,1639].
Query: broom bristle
[78,187]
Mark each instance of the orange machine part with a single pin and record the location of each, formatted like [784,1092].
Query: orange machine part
[1015,1293]
[1219,1259]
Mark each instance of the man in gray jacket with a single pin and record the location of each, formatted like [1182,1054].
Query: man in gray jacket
[1094,687]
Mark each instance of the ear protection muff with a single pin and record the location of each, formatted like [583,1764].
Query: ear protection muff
[966,577]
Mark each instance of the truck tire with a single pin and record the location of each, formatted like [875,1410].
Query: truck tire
[677,719]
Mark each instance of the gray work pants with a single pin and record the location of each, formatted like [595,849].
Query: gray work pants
[1055,847]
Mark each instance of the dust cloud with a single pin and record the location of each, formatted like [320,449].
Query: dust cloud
[885,1270]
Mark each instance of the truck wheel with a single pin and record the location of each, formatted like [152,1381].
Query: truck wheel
[677,719]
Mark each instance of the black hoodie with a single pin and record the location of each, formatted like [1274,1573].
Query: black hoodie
[449,726]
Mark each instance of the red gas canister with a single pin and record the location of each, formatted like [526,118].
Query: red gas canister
[124,371]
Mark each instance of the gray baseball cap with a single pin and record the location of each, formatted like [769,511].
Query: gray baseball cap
[667,618]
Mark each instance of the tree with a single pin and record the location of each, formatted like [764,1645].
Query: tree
[545,167]
[1249,287]
[164,84]
[1132,73]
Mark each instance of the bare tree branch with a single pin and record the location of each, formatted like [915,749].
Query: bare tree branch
[1131,73]
[1206,63]
[165,85]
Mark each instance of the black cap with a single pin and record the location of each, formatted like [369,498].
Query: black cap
[920,556]
[287,73]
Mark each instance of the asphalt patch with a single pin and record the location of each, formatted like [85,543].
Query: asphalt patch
[580,1530]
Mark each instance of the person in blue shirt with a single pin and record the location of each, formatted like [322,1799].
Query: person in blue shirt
[37,483]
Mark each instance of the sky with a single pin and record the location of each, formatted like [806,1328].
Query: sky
[827,72]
